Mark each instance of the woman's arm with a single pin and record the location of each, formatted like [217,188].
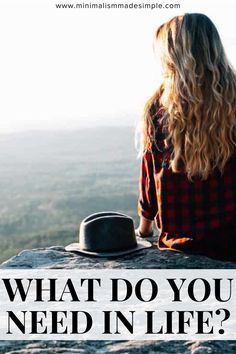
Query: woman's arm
[147,203]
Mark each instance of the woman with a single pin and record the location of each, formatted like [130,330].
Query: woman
[188,171]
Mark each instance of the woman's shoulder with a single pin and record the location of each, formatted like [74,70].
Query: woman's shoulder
[158,118]
[156,111]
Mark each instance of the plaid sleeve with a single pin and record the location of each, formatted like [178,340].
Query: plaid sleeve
[147,202]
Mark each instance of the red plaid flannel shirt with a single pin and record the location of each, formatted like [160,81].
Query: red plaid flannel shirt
[196,216]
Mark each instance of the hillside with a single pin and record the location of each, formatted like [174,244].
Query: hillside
[51,180]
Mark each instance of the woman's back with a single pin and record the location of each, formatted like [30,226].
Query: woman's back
[187,182]
[193,215]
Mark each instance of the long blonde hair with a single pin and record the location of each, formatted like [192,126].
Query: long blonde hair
[198,95]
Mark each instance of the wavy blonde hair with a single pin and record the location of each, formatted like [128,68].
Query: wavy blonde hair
[198,95]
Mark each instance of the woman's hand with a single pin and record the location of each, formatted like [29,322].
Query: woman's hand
[145,228]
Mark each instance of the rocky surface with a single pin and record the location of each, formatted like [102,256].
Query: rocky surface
[56,257]
[122,347]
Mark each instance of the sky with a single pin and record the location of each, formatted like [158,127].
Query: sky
[70,68]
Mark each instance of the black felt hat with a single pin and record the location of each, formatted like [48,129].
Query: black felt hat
[107,234]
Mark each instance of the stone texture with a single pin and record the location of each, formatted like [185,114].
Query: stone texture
[56,257]
[122,347]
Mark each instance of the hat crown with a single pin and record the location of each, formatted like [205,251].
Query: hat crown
[107,232]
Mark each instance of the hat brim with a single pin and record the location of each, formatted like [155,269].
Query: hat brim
[75,247]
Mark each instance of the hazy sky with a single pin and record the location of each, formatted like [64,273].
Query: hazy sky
[66,68]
